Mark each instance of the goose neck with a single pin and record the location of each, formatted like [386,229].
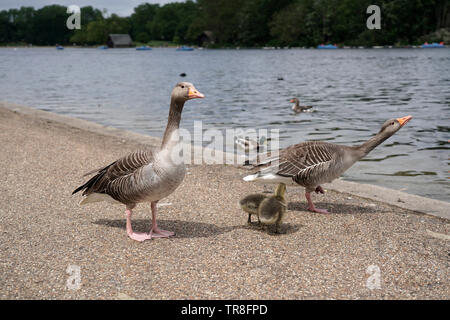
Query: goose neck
[171,135]
[373,142]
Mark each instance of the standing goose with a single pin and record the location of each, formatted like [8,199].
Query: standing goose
[144,176]
[313,163]
[298,108]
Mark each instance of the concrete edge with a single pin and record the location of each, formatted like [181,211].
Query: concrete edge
[392,197]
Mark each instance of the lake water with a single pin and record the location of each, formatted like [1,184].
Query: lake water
[352,91]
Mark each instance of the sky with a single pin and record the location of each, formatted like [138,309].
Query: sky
[120,7]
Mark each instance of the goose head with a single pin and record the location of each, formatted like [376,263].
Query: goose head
[185,91]
[294,100]
[391,126]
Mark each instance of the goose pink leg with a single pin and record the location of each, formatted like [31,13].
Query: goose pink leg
[138,236]
[155,232]
[311,206]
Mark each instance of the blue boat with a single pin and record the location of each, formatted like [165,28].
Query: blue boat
[141,48]
[184,48]
[59,48]
[103,47]
[433,45]
[326,46]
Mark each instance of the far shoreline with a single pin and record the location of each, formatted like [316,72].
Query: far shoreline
[171,46]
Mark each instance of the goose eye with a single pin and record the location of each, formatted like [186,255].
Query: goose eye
[182,87]
[392,123]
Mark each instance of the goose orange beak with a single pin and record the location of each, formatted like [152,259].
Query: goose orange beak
[194,94]
[404,120]
[292,100]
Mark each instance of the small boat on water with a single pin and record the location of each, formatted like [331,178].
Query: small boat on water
[143,48]
[103,47]
[185,48]
[326,46]
[59,47]
[433,45]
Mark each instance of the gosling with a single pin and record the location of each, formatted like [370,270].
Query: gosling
[272,209]
[250,204]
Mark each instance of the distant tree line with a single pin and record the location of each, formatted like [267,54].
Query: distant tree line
[247,23]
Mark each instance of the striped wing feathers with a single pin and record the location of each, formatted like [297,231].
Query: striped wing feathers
[303,161]
[116,175]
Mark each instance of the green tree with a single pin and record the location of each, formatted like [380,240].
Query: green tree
[88,15]
[254,18]
[172,21]
[49,25]
[221,17]
[97,32]
[142,16]
[299,24]
[116,24]
[236,22]
[186,12]
[22,20]
[7,29]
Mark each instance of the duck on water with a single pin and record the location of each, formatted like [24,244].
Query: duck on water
[297,108]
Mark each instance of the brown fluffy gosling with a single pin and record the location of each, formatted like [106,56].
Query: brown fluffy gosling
[272,209]
[250,204]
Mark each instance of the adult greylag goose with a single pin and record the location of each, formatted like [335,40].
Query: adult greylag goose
[298,108]
[313,163]
[147,175]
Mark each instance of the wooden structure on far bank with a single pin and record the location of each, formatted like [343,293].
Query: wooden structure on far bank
[205,39]
[119,41]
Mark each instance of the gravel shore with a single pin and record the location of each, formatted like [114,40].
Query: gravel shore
[214,255]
